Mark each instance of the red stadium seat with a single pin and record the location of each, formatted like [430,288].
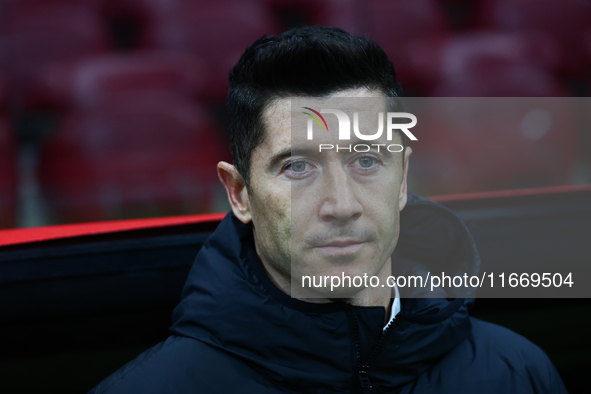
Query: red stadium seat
[32,37]
[346,14]
[2,95]
[585,77]
[412,34]
[7,176]
[565,20]
[91,81]
[480,144]
[500,78]
[464,53]
[7,166]
[216,31]
[34,3]
[137,154]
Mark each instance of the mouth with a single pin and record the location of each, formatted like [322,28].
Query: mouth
[340,248]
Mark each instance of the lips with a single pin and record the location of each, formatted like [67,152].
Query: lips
[343,243]
[341,247]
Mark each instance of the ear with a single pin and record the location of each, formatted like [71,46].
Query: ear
[402,197]
[236,189]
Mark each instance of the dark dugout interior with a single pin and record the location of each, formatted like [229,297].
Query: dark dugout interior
[76,309]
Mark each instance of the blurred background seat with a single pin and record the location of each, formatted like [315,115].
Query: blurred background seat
[465,52]
[35,36]
[90,81]
[499,78]
[566,21]
[7,166]
[494,144]
[188,26]
[7,176]
[67,60]
[412,34]
[346,14]
[135,154]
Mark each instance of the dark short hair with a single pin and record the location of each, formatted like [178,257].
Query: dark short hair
[308,61]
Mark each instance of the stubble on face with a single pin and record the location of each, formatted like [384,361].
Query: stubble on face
[270,200]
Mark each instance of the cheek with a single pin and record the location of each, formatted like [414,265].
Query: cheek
[276,209]
[278,218]
[383,193]
[382,207]
[272,219]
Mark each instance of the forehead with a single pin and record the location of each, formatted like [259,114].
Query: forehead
[277,116]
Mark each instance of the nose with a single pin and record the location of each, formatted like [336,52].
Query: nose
[340,203]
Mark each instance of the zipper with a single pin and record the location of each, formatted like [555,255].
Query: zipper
[364,367]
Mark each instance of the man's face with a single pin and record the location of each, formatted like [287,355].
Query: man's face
[325,213]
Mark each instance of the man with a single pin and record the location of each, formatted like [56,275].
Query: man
[248,323]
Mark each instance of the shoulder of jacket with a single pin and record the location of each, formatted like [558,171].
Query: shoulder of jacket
[510,354]
[186,365]
[137,371]
[506,342]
